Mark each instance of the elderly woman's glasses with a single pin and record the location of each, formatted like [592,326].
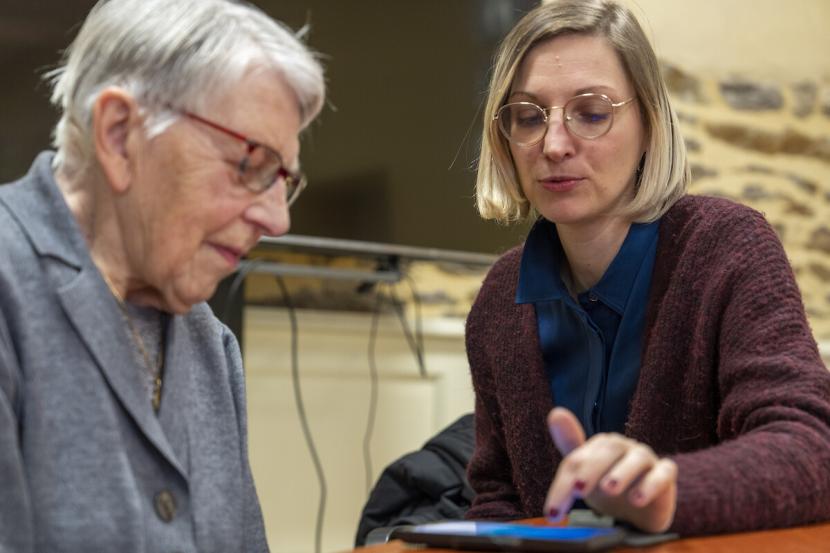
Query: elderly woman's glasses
[586,116]
[261,167]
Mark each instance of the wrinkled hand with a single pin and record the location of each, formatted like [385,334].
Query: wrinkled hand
[614,475]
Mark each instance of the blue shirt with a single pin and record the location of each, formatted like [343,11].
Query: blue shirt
[590,346]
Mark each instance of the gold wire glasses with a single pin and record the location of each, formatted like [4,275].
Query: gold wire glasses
[587,116]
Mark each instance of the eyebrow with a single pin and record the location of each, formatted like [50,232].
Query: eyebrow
[293,166]
[599,89]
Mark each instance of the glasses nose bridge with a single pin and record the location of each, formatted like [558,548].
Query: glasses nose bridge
[550,110]
[548,113]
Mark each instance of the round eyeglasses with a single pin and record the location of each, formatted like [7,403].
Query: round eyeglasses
[262,166]
[586,116]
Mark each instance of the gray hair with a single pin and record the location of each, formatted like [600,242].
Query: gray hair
[182,52]
[665,174]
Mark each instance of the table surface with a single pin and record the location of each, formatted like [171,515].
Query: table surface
[802,539]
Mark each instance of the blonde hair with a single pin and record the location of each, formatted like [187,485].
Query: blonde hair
[665,173]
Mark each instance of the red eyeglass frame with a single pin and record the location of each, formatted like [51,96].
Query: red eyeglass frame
[295,181]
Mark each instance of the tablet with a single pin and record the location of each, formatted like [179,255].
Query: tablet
[502,536]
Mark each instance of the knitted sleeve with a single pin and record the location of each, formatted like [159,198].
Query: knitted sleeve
[489,470]
[771,465]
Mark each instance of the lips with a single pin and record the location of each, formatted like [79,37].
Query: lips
[230,254]
[560,183]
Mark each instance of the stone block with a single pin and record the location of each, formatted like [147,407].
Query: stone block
[820,240]
[804,98]
[761,169]
[788,141]
[682,85]
[821,270]
[793,207]
[700,171]
[805,184]
[692,145]
[754,192]
[746,95]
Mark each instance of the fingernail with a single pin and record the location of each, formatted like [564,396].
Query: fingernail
[638,497]
[579,485]
[612,483]
[553,513]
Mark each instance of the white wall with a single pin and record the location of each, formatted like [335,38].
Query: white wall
[334,374]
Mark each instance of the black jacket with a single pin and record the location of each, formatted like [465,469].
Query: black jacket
[423,486]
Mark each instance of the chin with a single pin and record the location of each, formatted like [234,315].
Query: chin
[564,216]
[183,301]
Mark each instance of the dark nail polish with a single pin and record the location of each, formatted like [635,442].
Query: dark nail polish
[612,483]
[579,485]
[553,513]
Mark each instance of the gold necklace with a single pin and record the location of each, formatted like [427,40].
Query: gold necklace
[155,369]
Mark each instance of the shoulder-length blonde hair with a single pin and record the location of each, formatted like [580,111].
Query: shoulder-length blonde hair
[665,173]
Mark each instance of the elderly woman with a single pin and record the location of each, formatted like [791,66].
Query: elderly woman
[122,406]
[666,331]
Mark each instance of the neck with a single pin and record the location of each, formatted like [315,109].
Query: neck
[92,203]
[590,249]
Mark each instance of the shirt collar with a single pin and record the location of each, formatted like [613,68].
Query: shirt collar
[540,269]
[615,285]
[542,258]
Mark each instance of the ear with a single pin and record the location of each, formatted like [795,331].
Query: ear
[115,116]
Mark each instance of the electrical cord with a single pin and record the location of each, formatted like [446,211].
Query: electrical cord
[237,282]
[416,344]
[298,397]
[373,391]
[419,333]
[417,348]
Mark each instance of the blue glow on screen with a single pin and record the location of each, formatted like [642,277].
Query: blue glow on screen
[522,531]
[540,532]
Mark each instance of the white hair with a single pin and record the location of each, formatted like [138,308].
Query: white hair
[185,53]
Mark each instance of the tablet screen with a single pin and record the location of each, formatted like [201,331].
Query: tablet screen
[524,531]
[510,536]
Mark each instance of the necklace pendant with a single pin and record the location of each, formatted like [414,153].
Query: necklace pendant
[156,393]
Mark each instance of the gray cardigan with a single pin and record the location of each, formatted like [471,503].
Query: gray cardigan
[85,463]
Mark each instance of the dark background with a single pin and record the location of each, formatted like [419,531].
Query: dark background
[391,159]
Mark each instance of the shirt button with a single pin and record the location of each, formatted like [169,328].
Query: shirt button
[165,505]
[592,298]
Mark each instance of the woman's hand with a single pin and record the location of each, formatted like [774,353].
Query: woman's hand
[615,476]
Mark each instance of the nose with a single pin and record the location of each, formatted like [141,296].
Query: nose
[269,211]
[558,142]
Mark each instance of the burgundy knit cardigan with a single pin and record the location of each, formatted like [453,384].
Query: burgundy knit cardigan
[731,383]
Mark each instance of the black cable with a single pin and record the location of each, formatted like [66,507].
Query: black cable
[237,282]
[298,397]
[417,349]
[373,391]
[417,346]
[419,333]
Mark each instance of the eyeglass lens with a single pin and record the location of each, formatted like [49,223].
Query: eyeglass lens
[261,168]
[526,123]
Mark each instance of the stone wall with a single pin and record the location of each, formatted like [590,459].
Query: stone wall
[766,144]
